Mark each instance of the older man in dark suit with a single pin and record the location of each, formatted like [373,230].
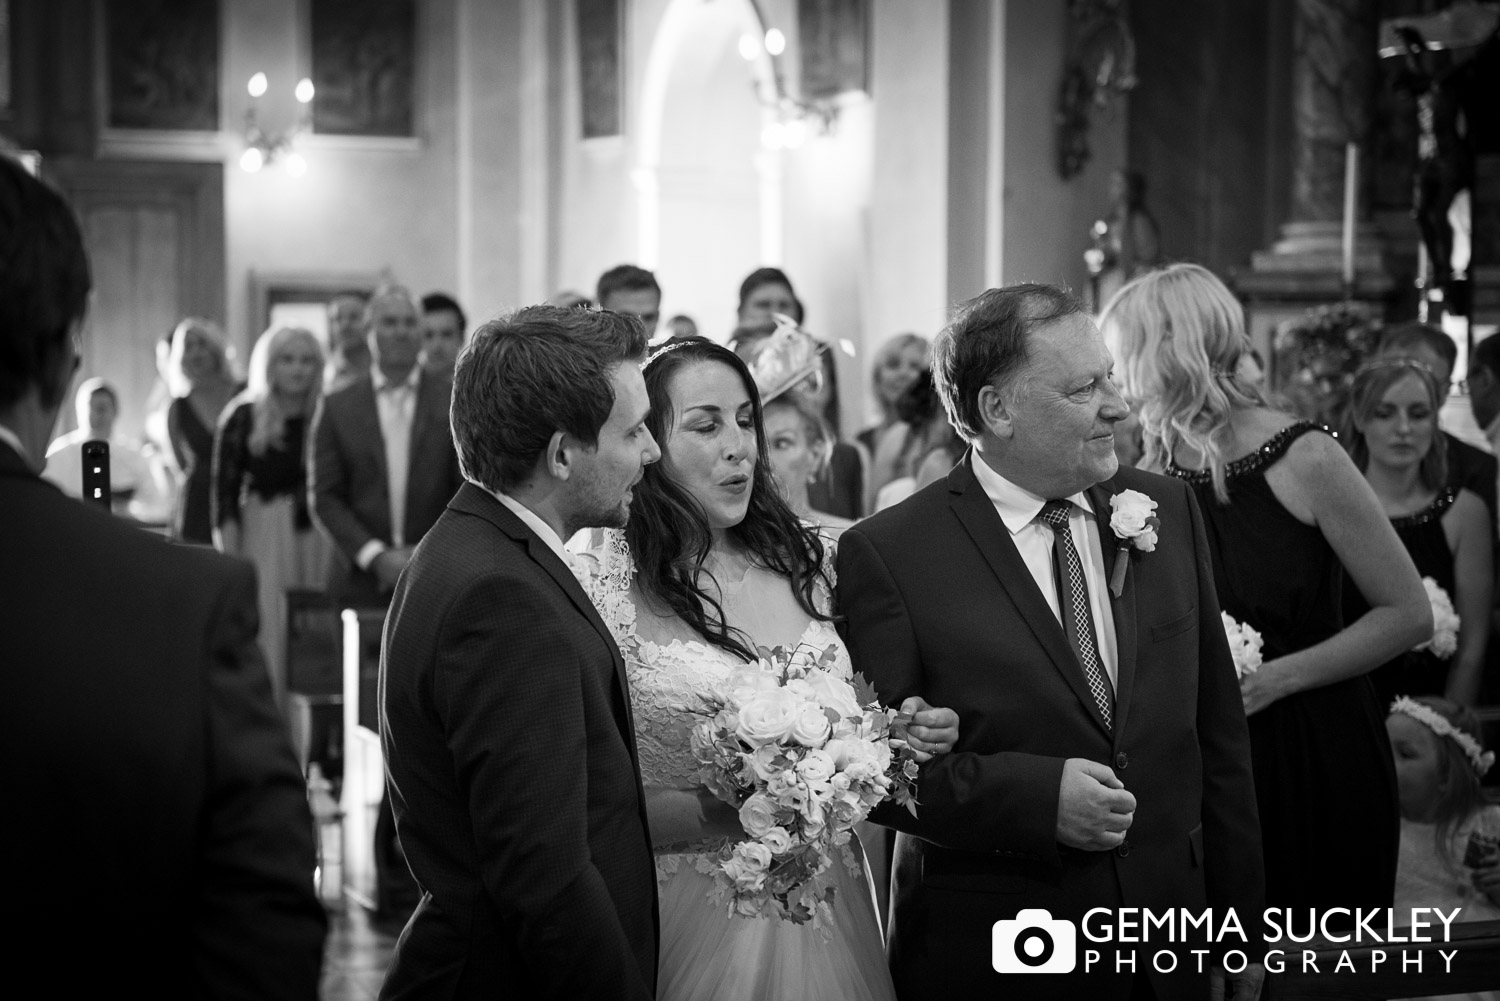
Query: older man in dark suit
[157,837]
[505,712]
[382,465]
[1104,759]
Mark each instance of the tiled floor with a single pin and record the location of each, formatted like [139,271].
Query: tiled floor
[358,950]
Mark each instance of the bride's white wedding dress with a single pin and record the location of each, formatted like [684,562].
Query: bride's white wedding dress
[705,953]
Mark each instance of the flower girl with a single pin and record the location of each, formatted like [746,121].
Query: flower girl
[1450,834]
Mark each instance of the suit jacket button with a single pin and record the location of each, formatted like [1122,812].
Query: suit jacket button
[1123,850]
[1122,760]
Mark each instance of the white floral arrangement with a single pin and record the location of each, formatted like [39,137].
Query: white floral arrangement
[1133,520]
[1445,622]
[788,742]
[1244,645]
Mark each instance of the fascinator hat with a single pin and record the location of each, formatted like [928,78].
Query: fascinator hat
[787,359]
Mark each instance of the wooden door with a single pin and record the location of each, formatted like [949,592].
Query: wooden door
[155,238]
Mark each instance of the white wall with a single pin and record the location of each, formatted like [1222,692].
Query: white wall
[356,209]
[1047,219]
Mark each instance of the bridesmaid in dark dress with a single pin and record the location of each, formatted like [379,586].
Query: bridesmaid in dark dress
[1283,506]
[1392,436]
[202,384]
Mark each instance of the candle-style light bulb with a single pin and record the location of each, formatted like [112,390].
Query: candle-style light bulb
[775,42]
[252,160]
[257,85]
[304,91]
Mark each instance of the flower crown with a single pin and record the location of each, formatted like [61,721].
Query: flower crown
[1481,760]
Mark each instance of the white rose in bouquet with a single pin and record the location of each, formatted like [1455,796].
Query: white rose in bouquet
[777,840]
[768,716]
[833,692]
[758,815]
[1244,645]
[810,727]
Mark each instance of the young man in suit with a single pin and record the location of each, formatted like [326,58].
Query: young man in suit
[157,836]
[1104,759]
[382,465]
[505,713]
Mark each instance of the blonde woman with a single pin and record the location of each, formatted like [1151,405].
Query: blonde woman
[202,384]
[1284,508]
[898,363]
[259,495]
[800,444]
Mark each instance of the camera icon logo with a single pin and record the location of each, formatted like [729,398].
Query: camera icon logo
[1034,942]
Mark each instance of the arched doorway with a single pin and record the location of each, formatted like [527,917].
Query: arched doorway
[709,196]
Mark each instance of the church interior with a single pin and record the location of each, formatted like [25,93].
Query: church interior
[247,161]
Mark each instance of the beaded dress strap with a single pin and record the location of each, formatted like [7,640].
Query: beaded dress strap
[1271,449]
[1432,512]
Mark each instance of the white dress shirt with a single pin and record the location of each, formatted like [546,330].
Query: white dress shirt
[1019,508]
[541,528]
[396,403]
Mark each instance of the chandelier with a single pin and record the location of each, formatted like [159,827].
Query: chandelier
[263,146]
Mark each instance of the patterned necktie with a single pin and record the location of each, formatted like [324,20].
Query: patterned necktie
[1073,600]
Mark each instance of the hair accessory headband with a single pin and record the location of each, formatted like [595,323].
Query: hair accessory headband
[665,349]
[1481,760]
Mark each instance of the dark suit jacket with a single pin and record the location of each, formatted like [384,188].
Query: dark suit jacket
[348,485]
[940,604]
[1474,469]
[511,758]
[157,837]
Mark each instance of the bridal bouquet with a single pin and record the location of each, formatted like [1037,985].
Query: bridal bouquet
[1445,621]
[788,742]
[1244,645]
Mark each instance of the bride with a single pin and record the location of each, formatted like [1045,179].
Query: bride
[712,565]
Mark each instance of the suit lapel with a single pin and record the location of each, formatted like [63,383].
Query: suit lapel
[363,396]
[474,500]
[1123,607]
[978,515]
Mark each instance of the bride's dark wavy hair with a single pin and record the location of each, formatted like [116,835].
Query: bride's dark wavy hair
[669,533]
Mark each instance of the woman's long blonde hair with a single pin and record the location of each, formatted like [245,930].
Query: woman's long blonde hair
[178,380]
[1178,335]
[268,422]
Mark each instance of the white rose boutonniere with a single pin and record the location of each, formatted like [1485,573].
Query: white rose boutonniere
[1134,523]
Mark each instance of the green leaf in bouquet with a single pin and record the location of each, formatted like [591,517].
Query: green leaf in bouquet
[864,692]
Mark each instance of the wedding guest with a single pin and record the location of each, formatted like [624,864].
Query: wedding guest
[443,327]
[1483,381]
[260,482]
[137,482]
[839,488]
[799,444]
[897,364]
[383,465]
[764,293]
[202,385]
[629,289]
[1391,433]
[348,351]
[922,448]
[1270,485]
[157,829]
[682,327]
[1450,831]
[1469,468]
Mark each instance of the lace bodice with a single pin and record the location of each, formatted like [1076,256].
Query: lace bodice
[666,679]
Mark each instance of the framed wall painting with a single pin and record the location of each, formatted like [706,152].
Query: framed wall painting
[599,67]
[161,65]
[835,42]
[364,67]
